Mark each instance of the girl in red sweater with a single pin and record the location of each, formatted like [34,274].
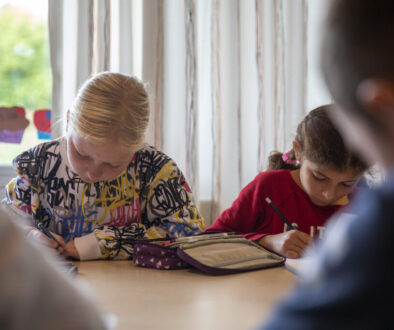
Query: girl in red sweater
[308,184]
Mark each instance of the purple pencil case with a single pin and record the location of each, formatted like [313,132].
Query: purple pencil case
[152,254]
[215,254]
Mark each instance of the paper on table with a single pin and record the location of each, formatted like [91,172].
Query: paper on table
[298,266]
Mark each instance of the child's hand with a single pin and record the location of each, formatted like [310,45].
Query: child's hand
[70,251]
[290,244]
[59,244]
[65,249]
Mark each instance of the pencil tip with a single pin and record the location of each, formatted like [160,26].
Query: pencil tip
[268,200]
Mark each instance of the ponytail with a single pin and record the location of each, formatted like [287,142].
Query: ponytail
[280,161]
[320,142]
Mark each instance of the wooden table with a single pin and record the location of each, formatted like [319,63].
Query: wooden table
[143,298]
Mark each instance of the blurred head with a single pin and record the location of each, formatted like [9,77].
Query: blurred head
[328,169]
[358,65]
[106,125]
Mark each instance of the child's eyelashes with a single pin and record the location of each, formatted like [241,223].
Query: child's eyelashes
[79,154]
[83,156]
[348,184]
[113,166]
[318,178]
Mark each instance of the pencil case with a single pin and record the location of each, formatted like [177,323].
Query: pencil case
[161,253]
[153,254]
[217,254]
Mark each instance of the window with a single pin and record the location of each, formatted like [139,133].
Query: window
[25,75]
[25,78]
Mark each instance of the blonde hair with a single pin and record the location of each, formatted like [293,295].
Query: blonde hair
[112,107]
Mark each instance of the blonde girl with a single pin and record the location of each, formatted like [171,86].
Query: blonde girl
[100,187]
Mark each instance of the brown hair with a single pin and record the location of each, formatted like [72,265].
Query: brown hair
[358,44]
[112,107]
[321,143]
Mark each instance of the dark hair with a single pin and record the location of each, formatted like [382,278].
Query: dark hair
[276,162]
[321,143]
[358,44]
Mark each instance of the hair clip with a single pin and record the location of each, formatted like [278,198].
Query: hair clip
[286,158]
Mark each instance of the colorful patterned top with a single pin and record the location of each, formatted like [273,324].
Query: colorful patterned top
[150,199]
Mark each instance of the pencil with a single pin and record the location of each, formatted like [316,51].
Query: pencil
[48,233]
[284,219]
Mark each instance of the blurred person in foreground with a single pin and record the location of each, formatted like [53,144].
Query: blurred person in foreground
[34,293]
[350,284]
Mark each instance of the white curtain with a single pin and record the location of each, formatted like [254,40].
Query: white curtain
[71,50]
[84,42]
[227,78]
[229,85]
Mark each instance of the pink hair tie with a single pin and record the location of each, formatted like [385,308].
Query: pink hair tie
[286,158]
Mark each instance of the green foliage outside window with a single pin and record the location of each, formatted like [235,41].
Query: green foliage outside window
[25,74]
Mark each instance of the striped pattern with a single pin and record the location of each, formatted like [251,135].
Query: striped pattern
[91,34]
[158,86]
[279,59]
[239,92]
[260,83]
[216,112]
[107,34]
[268,90]
[305,55]
[101,26]
[190,91]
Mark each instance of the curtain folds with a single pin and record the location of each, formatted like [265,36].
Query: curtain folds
[227,78]
[79,34]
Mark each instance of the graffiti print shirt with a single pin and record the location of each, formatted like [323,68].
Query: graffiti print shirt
[150,199]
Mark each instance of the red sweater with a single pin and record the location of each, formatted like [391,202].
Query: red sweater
[252,217]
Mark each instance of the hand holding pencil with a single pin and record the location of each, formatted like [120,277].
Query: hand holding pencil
[290,244]
[52,239]
[284,219]
[65,249]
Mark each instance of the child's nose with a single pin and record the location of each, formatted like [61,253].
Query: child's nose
[328,194]
[94,173]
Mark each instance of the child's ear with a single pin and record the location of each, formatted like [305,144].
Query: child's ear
[377,97]
[297,150]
